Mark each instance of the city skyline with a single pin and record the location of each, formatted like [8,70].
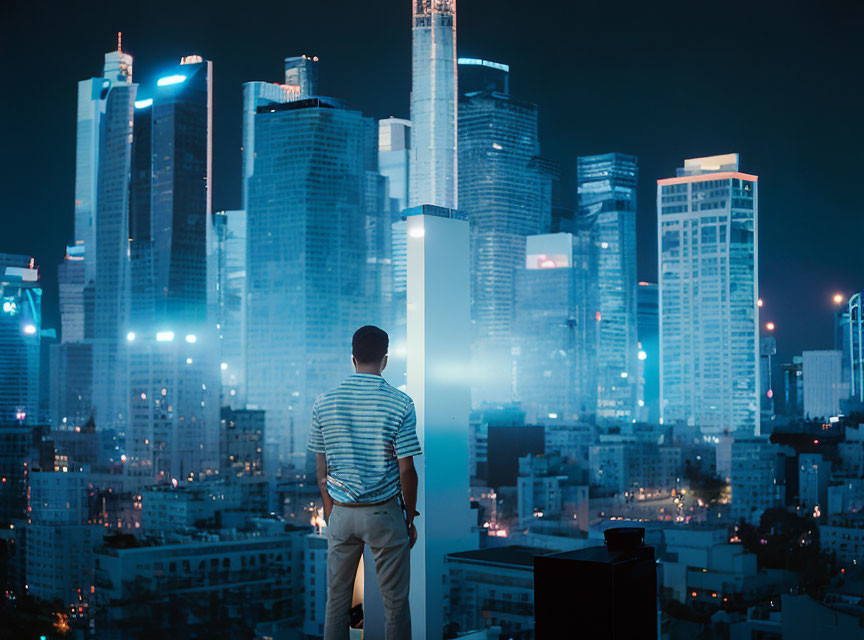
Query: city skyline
[782,103]
[603,362]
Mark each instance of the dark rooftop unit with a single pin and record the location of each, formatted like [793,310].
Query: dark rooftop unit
[601,592]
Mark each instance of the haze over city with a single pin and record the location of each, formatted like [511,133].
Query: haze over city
[594,269]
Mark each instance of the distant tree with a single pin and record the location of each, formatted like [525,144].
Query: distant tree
[703,485]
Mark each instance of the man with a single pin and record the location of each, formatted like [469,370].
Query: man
[364,435]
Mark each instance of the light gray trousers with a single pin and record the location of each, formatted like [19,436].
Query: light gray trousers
[383,528]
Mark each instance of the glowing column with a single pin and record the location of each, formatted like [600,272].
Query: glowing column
[439,382]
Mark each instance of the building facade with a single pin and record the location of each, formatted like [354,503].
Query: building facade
[505,190]
[307,251]
[648,365]
[554,330]
[707,237]
[607,201]
[226,299]
[20,339]
[433,177]
[824,387]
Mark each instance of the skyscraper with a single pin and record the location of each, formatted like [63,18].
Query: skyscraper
[173,382]
[767,354]
[707,232]
[94,279]
[824,386]
[302,72]
[226,291]
[256,94]
[394,142]
[111,284]
[173,430]
[433,104]
[20,339]
[394,147]
[553,331]
[476,75]
[607,200]
[856,347]
[506,193]
[181,190]
[170,200]
[648,325]
[307,254]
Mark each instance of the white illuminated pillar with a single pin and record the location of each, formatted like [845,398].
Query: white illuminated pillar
[439,327]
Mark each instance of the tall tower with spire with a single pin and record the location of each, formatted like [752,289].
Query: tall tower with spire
[433,104]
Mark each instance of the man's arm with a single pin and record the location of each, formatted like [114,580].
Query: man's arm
[408,478]
[321,474]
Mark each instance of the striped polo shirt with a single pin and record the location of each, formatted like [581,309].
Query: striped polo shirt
[363,426]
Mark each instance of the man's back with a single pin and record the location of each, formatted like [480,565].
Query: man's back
[364,425]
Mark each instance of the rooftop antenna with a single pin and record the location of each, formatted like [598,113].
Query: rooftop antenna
[119,42]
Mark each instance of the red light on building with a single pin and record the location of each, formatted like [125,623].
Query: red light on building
[597,316]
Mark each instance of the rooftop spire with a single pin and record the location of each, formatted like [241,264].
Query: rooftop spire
[119,42]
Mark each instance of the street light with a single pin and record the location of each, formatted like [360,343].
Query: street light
[769,326]
[838,299]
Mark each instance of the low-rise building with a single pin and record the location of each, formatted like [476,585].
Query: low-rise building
[844,536]
[753,477]
[242,578]
[491,587]
[701,566]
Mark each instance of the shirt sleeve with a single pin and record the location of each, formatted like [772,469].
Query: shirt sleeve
[316,438]
[406,443]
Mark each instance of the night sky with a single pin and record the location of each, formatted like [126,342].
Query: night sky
[781,84]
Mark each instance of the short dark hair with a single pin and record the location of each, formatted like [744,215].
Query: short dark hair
[369,344]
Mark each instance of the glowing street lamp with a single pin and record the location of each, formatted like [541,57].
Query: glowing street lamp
[760,302]
[838,299]
[769,326]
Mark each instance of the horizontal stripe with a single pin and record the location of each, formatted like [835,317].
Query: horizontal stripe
[364,426]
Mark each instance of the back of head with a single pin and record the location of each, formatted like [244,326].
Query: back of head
[369,344]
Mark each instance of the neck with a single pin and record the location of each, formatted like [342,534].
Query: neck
[370,370]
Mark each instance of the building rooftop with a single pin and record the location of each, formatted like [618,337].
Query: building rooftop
[515,555]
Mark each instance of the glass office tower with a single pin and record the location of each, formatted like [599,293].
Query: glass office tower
[856,347]
[648,358]
[111,281]
[20,339]
[171,339]
[433,104]
[307,253]
[302,72]
[256,94]
[181,192]
[93,311]
[553,330]
[71,361]
[394,141]
[506,193]
[607,200]
[226,291]
[707,237]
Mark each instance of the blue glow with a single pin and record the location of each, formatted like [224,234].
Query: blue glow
[176,79]
[477,62]
[130,336]
[143,104]
[165,336]
[30,329]
[191,338]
